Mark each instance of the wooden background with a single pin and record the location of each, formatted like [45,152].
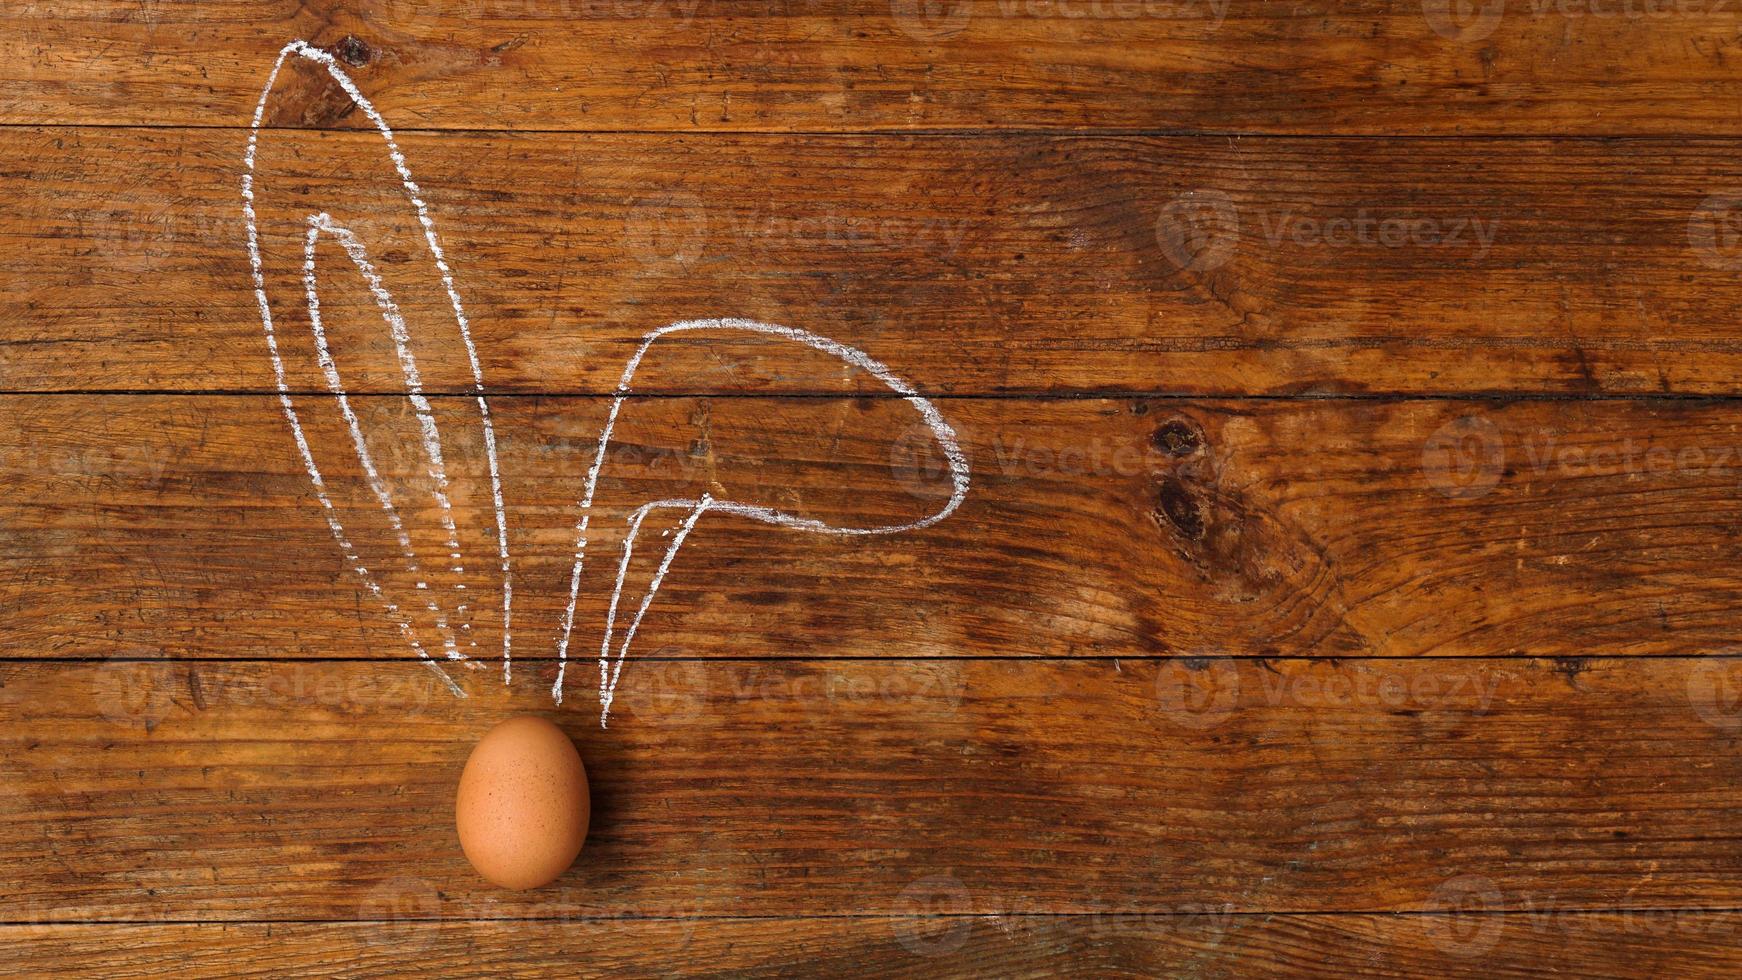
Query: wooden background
[1349,582]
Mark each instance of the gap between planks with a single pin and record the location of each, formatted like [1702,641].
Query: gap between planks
[1497,397]
[969,132]
[1335,658]
[877,917]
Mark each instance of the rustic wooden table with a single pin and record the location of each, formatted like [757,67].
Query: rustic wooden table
[1347,578]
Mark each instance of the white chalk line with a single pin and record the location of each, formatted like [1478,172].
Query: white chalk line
[941,430]
[432,443]
[607,694]
[330,369]
[414,195]
[284,399]
[608,674]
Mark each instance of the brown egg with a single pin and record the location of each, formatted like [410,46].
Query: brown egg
[522,809]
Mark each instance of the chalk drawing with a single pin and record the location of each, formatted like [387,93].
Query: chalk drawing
[608,674]
[322,223]
[414,195]
[610,669]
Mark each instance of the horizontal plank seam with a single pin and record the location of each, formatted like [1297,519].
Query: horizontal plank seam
[885,395]
[943,132]
[891,917]
[934,658]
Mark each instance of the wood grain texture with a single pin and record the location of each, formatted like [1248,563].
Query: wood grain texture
[1202,65]
[1270,640]
[256,791]
[185,526]
[1581,944]
[1078,264]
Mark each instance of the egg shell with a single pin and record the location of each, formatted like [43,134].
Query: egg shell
[522,808]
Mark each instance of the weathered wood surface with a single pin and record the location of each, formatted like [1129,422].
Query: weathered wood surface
[185,526]
[1527,266]
[1543,66]
[251,791]
[1575,944]
[1187,686]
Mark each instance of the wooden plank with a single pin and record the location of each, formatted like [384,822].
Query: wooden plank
[1200,65]
[123,264]
[257,791]
[1577,944]
[186,526]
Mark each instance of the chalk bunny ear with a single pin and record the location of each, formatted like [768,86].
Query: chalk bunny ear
[396,525]
[691,511]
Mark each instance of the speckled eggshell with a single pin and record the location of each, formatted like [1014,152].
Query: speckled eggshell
[522,809]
